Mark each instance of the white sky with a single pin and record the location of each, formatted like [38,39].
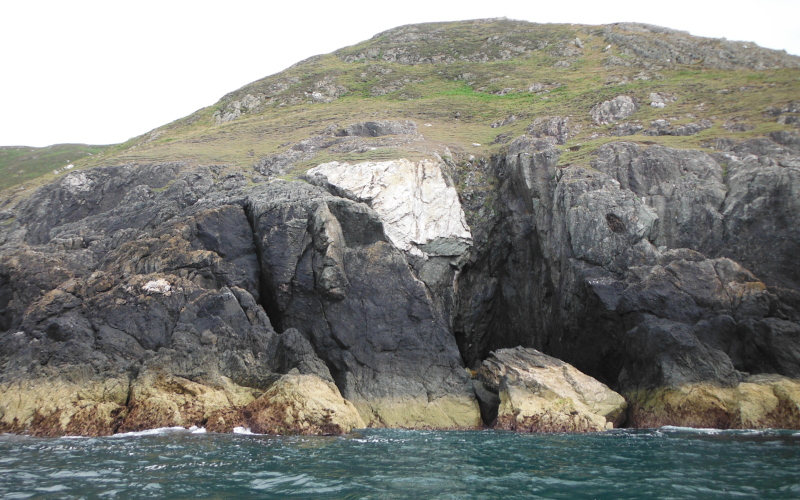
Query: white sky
[101,72]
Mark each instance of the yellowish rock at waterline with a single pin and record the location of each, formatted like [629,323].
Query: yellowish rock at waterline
[539,393]
[302,404]
[448,412]
[764,401]
[60,407]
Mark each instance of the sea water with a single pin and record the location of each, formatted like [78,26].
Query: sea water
[380,463]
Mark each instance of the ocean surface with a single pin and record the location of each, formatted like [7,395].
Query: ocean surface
[378,463]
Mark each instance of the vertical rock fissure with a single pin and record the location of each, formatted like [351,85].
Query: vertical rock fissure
[338,374]
[267,297]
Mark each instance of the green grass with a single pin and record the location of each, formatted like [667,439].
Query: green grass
[459,99]
[19,164]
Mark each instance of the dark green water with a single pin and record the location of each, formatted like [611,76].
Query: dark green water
[663,463]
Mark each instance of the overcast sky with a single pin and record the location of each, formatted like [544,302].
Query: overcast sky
[101,72]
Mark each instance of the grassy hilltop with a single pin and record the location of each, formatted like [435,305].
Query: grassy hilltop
[456,80]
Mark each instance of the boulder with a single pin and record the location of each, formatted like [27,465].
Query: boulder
[614,110]
[663,127]
[626,128]
[557,127]
[379,128]
[539,393]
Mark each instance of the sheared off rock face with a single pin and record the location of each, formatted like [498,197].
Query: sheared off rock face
[420,211]
[538,393]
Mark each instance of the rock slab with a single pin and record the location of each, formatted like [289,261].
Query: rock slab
[539,393]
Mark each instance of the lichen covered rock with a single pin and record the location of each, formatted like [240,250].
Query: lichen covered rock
[79,406]
[302,404]
[614,110]
[764,401]
[539,393]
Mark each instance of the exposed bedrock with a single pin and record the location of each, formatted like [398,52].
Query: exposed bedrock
[141,296]
[166,293]
[629,269]
[338,279]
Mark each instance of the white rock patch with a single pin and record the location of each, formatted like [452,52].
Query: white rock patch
[77,182]
[160,286]
[412,198]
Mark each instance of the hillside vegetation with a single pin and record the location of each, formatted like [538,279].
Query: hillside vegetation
[20,163]
[473,86]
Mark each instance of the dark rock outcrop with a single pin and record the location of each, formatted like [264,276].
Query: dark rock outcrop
[180,296]
[163,286]
[630,270]
[332,274]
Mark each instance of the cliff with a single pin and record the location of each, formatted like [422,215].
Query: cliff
[443,225]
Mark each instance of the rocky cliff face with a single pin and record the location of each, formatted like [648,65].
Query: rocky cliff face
[161,295]
[437,290]
[181,280]
[630,269]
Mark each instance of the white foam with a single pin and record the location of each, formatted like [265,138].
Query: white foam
[243,430]
[698,430]
[197,430]
[701,430]
[150,432]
